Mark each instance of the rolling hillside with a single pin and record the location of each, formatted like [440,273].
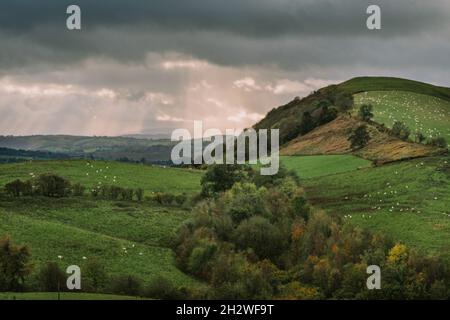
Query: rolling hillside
[126,237]
[102,148]
[332,138]
[408,201]
[421,113]
[367,84]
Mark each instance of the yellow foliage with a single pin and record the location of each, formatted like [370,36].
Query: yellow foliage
[398,254]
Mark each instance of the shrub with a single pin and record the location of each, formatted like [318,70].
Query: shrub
[14,188]
[161,288]
[94,275]
[14,265]
[52,278]
[51,185]
[78,190]
[164,198]
[221,177]
[245,200]
[127,194]
[420,137]
[400,130]
[327,115]
[307,124]
[359,138]
[365,112]
[139,192]
[180,199]
[126,285]
[439,142]
[260,235]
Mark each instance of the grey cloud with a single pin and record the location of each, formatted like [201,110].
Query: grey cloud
[225,32]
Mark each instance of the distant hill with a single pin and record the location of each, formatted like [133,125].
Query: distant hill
[11,155]
[108,148]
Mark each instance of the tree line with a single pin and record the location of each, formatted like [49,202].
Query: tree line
[360,136]
[54,186]
[256,237]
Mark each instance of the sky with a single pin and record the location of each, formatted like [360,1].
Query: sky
[141,67]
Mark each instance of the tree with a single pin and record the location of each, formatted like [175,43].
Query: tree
[139,194]
[14,188]
[327,115]
[307,123]
[51,185]
[52,278]
[259,234]
[365,112]
[94,275]
[359,138]
[400,130]
[439,142]
[245,200]
[78,190]
[161,288]
[420,137]
[221,177]
[14,265]
[126,285]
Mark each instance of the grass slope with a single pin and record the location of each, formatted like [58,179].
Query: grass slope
[408,201]
[364,84]
[316,166]
[421,113]
[127,237]
[124,240]
[93,173]
[332,139]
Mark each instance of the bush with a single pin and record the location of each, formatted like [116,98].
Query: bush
[94,276]
[439,142]
[51,185]
[15,188]
[139,192]
[180,199]
[365,112]
[52,278]
[359,138]
[221,177]
[307,124]
[164,198]
[127,194]
[245,200]
[327,115]
[126,285]
[78,190]
[400,130]
[14,265]
[161,288]
[420,137]
[260,235]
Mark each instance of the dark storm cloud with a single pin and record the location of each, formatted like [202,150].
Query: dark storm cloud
[250,17]
[225,32]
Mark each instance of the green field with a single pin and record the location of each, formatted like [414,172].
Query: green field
[94,173]
[127,237]
[365,84]
[63,296]
[421,113]
[408,201]
[315,166]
